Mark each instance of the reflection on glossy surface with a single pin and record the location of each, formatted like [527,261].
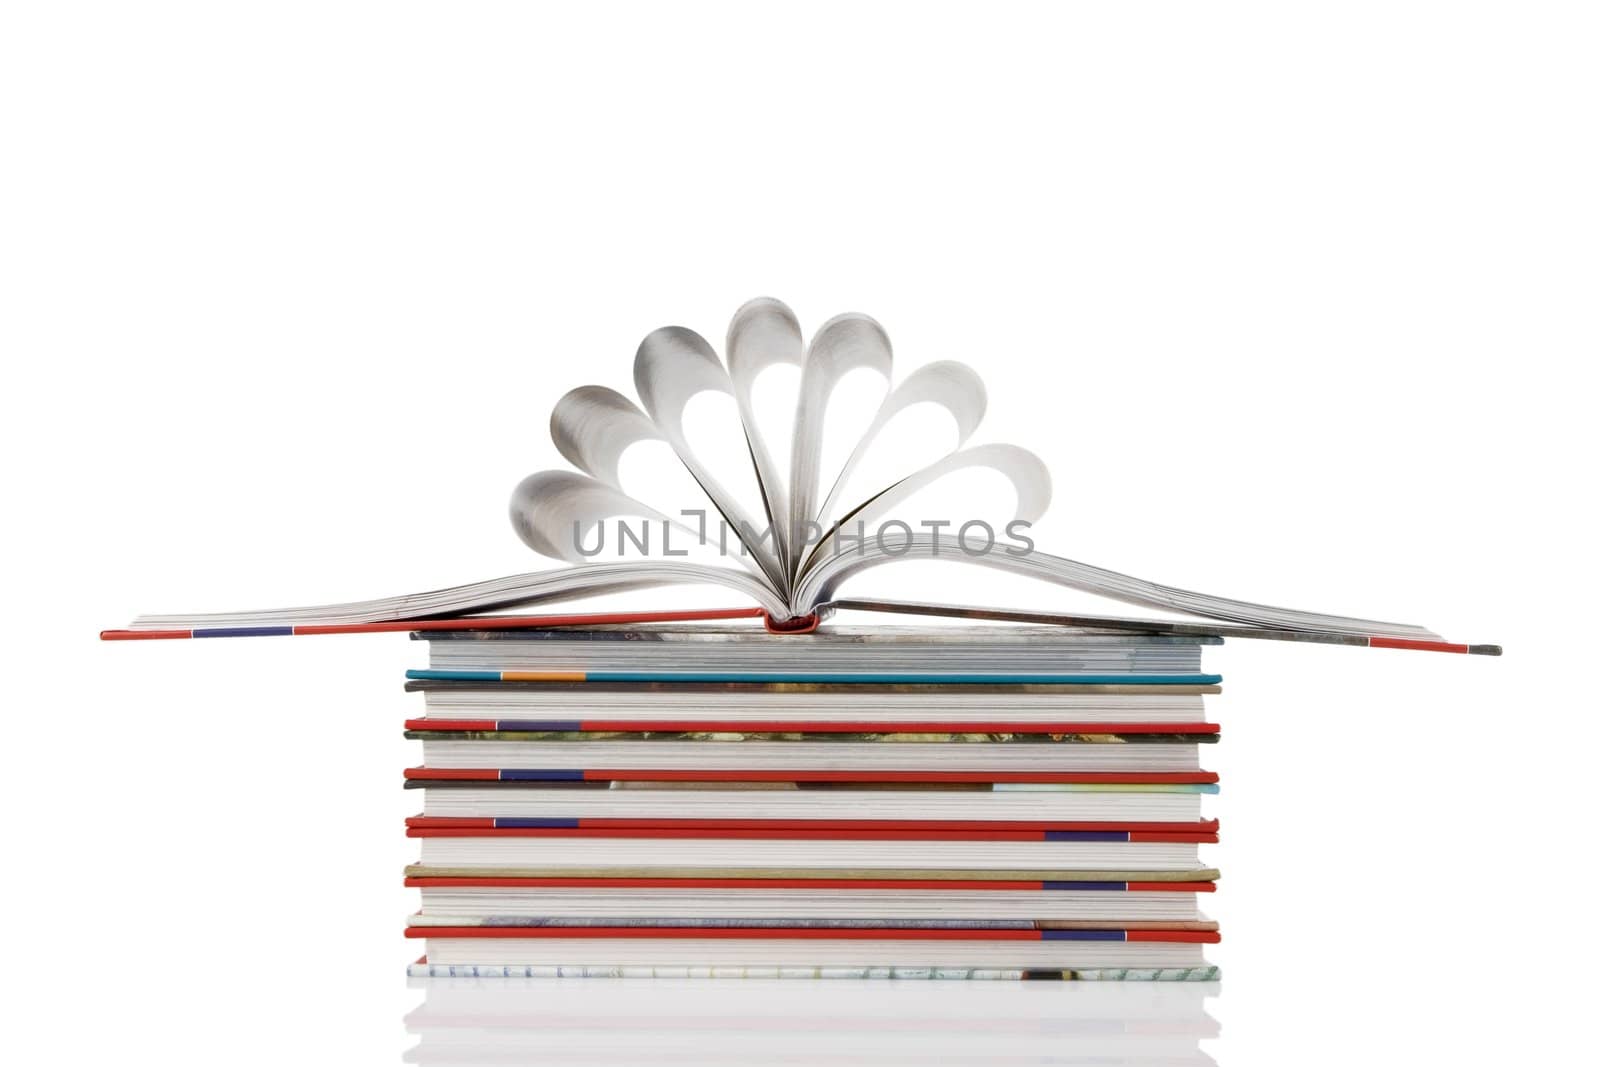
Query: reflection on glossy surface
[716,1021]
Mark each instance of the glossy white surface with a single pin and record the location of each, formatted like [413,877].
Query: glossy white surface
[764,1021]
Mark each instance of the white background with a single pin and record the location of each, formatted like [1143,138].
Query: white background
[1298,305]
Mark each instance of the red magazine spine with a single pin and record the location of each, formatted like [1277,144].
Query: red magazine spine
[894,884]
[808,933]
[785,775]
[812,835]
[780,726]
[1202,826]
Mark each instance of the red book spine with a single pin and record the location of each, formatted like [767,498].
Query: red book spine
[786,835]
[1201,827]
[778,726]
[784,775]
[893,884]
[792,933]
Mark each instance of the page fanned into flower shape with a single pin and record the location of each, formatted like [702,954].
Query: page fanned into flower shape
[845,343]
[953,386]
[790,558]
[673,365]
[764,334]
[593,426]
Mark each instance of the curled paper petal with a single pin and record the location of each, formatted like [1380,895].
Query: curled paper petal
[592,426]
[674,365]
[845,343]
[1026,472]
[553,511]
[953,386]
[764,333]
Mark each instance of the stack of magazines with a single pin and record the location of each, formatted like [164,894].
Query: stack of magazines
[647,794]
[719,801]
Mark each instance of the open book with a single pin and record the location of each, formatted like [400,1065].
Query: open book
[807,531]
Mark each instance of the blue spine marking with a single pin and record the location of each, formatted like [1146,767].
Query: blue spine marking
[245,631]
[1100,886]
[566,725]
[1084,935]
[458,676]
[535,824]
[1086,835]
[541,776]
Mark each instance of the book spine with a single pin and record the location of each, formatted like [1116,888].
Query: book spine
[821,677]
[1113,781]
[423,969]
[424,921]
[1189,732]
